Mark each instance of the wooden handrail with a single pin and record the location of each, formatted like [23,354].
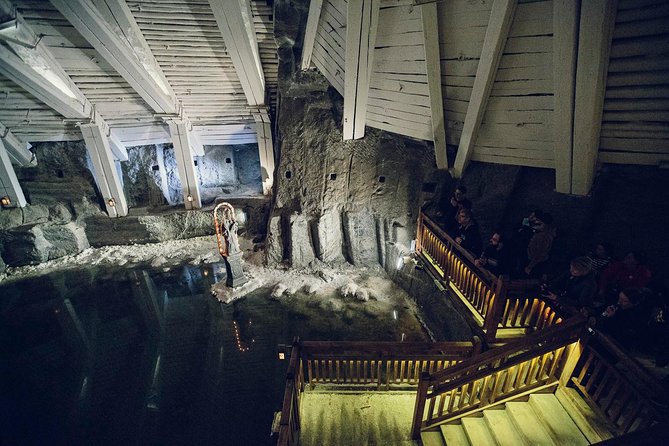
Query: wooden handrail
[531,362]
[486,297]
[571,329]
[613,382]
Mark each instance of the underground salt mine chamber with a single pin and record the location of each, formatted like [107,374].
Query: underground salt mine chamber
[266,222]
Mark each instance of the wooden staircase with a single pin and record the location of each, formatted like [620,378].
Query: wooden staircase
[544,419]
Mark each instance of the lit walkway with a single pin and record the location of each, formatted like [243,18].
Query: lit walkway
[368,418]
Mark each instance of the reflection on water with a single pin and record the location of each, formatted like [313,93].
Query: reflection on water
[97,356]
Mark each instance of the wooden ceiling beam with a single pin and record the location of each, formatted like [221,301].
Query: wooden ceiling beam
[235,22]
[110,27]
[118,52]
[494,42]
[37,71]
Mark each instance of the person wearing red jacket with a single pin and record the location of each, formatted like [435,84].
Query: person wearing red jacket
[628,273]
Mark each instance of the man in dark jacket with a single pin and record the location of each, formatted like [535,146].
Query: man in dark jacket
[468,235]
[577,289]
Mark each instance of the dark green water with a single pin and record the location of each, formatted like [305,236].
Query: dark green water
[140,357]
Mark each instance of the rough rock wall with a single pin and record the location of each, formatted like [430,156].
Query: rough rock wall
[151,179]
[341,200]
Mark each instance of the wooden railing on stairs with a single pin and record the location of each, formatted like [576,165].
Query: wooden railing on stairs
[370,365]
[498,375]
[499,306]
[619,388]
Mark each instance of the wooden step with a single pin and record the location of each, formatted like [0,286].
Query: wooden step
[454,435]
[562,428]
[477,431]
[528,424]
[593,427]
[502,428]
[432,438]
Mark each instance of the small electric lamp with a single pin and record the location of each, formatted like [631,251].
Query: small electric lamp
[5,201]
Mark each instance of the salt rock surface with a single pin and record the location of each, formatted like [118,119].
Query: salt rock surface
[279,290]
[349,289]
[362,294]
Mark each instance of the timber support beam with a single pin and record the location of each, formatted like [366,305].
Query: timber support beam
[496,34]
[10,184]
[185,164]
[106,174]
[594,46]
[362,17]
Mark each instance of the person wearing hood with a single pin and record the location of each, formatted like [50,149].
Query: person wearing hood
[539,247]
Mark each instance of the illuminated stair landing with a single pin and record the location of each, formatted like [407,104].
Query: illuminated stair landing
[545,419]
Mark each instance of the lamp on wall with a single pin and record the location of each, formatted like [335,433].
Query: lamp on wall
[189,197]
[111,202]
[5,201]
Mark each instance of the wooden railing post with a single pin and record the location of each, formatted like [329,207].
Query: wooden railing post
[421,397]
[494,313]
[419,232]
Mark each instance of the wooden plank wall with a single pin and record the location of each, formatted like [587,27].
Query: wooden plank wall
[399,99]
[263,19]
[635,125]
[330,44]
[186,42]
[517,126]
[30,119]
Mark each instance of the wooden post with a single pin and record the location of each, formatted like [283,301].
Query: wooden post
[421,397]
[17,149]
[9,182]
[433,63]
[106,175]
[573,353]
[595,35]
[361,23]
[499,25]
[419,232]
[494,311]
[315,7]
[190,187]
[265,149]
[565,37]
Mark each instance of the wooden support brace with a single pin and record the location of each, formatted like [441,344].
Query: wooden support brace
[235,22]
[433,62]
[361,24]
[565,43]
[8,181]
[594,46]
[91,24]
[106,174]
[315,7]
[499,25]
[185,164]
[265,149]
[43,88]
[17,149]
